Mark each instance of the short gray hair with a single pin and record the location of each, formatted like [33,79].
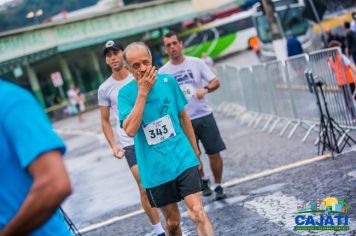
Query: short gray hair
[133,46]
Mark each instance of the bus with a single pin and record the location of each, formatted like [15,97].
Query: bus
[220,37]
[290,20]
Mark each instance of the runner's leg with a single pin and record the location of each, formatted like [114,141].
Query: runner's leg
[204,178]
[216,166]
[172,217]
[213,145]
[152,213]
[197,214]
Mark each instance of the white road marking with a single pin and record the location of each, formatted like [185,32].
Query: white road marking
[273,171]
[110,221]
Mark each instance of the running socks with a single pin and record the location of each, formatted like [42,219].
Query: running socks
[205,178]
[158,229]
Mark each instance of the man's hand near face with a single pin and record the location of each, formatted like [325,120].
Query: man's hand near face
[147,80]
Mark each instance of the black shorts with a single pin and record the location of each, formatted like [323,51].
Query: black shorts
[78,107]
[207,132]
[187,183]
[130,155]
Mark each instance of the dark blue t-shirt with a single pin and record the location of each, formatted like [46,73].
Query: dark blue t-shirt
[294,47]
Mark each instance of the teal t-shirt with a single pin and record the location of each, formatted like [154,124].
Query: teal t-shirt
[25,134]
[160,162]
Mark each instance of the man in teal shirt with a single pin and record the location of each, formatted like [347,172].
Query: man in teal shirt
[33,178]
[152,111]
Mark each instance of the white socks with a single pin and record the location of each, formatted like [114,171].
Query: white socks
[158,229]
[205,178]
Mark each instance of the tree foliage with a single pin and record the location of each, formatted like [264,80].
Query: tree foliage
[16,17]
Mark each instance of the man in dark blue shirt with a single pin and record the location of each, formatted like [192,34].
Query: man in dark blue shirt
[294,47]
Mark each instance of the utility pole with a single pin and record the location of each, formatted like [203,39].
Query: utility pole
[278,43]
[317,18]
[269,11]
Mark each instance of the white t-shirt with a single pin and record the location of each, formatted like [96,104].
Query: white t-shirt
[208,61]
[72,96]
[107,96]
[353,26]
[346,60]
[190,75]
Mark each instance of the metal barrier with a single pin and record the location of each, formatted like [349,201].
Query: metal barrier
[230,90]
[329,68]
[250,94]
[305,104]
[277,92]
[280,86]
[265,90]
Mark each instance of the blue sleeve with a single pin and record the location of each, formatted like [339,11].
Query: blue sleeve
[181,100]
[124,105]
[29,130]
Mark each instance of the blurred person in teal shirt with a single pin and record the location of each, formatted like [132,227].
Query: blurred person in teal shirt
[33,178]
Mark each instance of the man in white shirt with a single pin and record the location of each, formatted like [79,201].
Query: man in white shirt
[192,74]
[207,60]
[108,100]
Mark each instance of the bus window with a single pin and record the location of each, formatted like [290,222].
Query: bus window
[292,20]
[245,23]
[235,26]
[263,29]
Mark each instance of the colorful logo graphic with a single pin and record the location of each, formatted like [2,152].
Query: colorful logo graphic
[327,214]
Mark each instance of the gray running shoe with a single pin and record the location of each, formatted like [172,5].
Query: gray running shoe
[206,188]
[219,193]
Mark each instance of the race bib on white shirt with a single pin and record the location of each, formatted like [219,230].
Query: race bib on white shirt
[188,90]
[159,130]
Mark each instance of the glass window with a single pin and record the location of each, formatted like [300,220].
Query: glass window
[263,29]
[235,26]
[292,20]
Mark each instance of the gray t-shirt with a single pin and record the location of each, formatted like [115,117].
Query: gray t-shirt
[190,75]
[107,96]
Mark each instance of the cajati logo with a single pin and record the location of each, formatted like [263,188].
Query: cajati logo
[327,214]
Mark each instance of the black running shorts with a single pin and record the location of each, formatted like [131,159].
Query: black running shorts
[130,155]
[207,132]
[173,191]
